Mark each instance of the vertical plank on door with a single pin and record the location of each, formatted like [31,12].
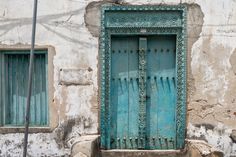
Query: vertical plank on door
[12,72]
[166,102]
[132,47]
[153,64]
[161,92]
[26,78]
[24,85]
[1,91]
[6,90]
[37,85]
[45,91]
[120,100]
[20,89]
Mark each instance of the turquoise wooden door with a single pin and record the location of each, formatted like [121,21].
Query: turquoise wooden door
[143,92]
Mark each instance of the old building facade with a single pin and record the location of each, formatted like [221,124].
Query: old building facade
[69,89]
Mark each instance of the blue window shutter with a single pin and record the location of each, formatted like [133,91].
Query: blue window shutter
[1,89]
[16,79]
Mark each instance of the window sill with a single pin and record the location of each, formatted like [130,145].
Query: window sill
[34,129]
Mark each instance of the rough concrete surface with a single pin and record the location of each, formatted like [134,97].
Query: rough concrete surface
[233,61]
[217,136]
[88,146]
[72,28]
[233,135]
[193,148]
[76,76]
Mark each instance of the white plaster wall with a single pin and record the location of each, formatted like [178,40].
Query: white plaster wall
[214,77]
[61,24]
[42,144]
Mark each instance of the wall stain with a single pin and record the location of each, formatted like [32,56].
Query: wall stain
[233,61]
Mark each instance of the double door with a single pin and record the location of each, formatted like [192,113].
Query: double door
[143,92]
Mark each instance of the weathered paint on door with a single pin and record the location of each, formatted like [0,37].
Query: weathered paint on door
[161,93]
[124,92]
[143,94]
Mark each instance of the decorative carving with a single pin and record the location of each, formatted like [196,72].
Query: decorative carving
[142,90]
[144,18]
[123,21]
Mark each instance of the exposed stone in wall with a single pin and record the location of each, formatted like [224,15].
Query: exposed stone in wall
[233,61]
[198,148]
[69,131]
[213,99]
[40,144]
[213,102]
[194,148]
[76,76]
[87,146]
[217,136]
[194,28]
[92,15]
[233,136]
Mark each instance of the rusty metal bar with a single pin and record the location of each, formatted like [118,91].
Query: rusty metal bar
[30,78]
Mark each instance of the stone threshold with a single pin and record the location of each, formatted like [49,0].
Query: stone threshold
[142,153]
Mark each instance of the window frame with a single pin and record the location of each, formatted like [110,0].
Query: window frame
[52,109]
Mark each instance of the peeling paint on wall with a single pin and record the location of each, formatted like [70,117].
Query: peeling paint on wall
[73,27]
[218,136]
[42,144]
[233,61]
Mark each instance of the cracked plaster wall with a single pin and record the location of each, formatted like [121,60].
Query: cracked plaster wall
[212,101]
[62,24]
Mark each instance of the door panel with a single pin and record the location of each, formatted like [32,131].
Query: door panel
[160,102]
[124,92]
[132,45]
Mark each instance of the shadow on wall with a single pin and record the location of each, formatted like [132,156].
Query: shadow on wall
[49,22]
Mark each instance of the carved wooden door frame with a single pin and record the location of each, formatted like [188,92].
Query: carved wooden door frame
[142,20]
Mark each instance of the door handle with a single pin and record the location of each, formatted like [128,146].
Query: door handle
[148,97]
